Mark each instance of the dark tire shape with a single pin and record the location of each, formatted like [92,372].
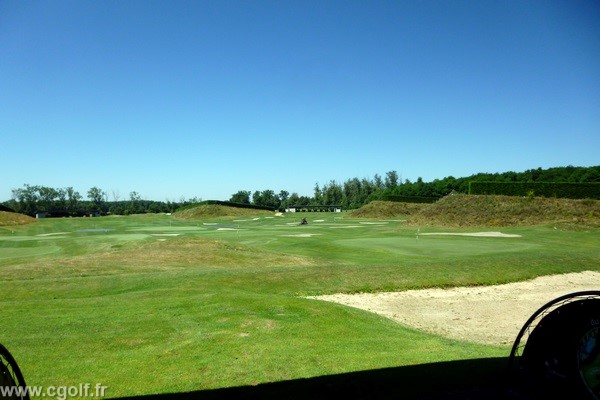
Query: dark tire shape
[561,357]
[10,375]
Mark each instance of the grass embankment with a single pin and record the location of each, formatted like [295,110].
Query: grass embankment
[11,219]
[215,210]
[387,209]
[492,211]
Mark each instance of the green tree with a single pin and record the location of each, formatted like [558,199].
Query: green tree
[391,179]
[97,197]
[46,198]
[266,198]
[378,182]
[294,200]
[303,200]
[242,196]
[332,194]
[256,198]
[283,198]
[318,198]
[352,193]
[134,203]
[26,198]
[72,199]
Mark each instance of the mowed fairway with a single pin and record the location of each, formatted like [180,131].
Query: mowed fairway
[154,304]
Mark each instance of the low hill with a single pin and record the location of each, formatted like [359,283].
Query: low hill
[11,218]
[387,209]
[217,210]
[473,210]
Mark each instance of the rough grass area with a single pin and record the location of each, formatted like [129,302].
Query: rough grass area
[176,254]
[461,210]
[387,209]
[216,210]
[10,218]
[471,210]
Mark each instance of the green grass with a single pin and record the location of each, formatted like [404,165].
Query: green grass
[158,304]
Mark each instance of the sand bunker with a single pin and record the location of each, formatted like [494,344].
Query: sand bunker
[476,234]
[483,314]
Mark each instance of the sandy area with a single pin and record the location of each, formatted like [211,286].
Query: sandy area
[474,234]
[484,314]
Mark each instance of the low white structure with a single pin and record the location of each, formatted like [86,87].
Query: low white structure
[314,208]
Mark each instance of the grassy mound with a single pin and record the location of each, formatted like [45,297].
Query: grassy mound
[10,218]
[387,209]
[471,210]
[216,210]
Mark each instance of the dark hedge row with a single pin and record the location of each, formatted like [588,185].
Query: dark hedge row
[238,205]
[566,190]
[7,209]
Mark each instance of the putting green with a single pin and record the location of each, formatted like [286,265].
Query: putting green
[166,229]
[437,246]
[125,236]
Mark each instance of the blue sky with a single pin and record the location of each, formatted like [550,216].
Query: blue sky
[201,99]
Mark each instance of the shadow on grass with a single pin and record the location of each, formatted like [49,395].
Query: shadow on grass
[465,379]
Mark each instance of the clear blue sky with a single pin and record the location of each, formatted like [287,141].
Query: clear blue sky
[205,98]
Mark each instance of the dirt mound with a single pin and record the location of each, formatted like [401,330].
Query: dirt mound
[479,210]
[11,218]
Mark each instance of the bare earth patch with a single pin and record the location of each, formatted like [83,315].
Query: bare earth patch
[483,314]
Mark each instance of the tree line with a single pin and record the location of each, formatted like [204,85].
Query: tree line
[64,202]
[356,192]
[350,194]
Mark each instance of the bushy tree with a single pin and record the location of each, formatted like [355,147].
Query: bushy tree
[97,196]
[318,195]
[72,200]
[242,196]
[26,199]
[294,200]
[266,198]
[283,198]
[134,203]
[391,179]
[332,193]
